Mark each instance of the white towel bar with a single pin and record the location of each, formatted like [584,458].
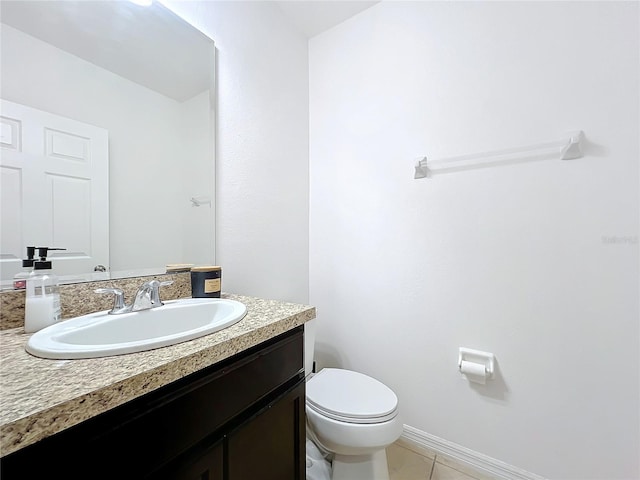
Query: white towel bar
[566,149]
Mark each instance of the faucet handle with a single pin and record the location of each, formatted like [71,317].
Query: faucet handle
[118,300]
[155,291]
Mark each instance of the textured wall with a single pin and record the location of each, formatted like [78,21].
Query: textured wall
[262,170]
[536,262]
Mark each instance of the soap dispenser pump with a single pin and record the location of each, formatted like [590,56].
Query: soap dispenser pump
[42,300]
[20,279]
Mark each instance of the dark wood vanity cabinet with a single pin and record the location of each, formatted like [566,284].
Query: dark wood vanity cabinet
[240,419]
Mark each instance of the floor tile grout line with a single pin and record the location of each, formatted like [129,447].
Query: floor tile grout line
[453,465]
[448,463]
[433,466]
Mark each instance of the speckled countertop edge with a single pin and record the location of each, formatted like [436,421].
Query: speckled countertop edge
[40,397]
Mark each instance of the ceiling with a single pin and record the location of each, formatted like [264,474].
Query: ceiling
[126,39]
[64,24]
[312,17]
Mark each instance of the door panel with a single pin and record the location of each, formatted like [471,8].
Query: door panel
[11,210]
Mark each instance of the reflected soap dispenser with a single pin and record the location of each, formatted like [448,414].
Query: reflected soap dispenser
[20,279]
[42,300]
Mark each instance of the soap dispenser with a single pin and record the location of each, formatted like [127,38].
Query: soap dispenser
[42,300]
[20,279]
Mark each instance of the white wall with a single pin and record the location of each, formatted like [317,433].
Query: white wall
[536,262]
[262,147]
[147,166]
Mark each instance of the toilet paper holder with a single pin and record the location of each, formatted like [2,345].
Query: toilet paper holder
[477,356]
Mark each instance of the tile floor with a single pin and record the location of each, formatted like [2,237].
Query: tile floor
[408,462]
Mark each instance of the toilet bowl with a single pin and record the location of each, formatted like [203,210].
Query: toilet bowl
[354,418]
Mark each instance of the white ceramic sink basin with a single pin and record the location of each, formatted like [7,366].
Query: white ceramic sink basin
[101,335]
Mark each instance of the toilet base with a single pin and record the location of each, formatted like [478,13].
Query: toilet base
[361,467]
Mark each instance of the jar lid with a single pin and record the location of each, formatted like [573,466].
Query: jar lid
[178,267]
[208,268]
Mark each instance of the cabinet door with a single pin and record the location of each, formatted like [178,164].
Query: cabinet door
[271,445]
[207,465]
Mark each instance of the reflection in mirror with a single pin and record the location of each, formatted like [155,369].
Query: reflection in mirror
[142,77]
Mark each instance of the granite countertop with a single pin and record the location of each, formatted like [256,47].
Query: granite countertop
[40,397]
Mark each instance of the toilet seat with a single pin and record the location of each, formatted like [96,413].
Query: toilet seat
[351,397]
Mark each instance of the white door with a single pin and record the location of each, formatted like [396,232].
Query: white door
[54,190]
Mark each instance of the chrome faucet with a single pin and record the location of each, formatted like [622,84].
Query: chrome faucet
[147,297]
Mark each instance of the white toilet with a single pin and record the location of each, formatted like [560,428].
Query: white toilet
[354,418]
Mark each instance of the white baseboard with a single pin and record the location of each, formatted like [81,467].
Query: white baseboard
[476,461]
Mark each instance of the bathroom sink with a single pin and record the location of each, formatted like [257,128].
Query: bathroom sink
[101,335]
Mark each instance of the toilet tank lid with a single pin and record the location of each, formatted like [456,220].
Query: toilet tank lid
[350,394]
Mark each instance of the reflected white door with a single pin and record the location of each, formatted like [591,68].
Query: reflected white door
[54,190]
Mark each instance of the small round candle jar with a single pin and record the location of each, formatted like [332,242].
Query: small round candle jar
[206,282]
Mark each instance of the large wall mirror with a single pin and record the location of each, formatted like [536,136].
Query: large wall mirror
[128,91]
